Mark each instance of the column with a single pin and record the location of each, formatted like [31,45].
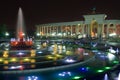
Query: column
[82,26]
[102,32]
[88,30]
[77,29]
[39,30]
[57,30]
[115,28]
[108,30]
[42,30]
[99,30]
[47,30]
[71,30]
[50,30]
[61,31]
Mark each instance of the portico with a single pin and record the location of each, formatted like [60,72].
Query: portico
[95,25]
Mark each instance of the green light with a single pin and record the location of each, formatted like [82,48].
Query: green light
[87,67]
[107,67]
[77,77]
[116,62]
[99,71]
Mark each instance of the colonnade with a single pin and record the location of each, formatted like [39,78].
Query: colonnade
[102,30]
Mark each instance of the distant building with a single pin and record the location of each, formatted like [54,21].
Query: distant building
[94,25]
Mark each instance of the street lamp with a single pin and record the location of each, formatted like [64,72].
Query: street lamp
[38,34]
[7,34]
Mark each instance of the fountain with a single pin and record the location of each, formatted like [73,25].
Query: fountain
[106,77]
[118,76]
[21,42]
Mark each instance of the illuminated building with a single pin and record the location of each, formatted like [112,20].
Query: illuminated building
[94,25]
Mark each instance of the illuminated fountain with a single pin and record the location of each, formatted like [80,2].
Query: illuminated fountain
[106,77]
[21,41]
[118,76]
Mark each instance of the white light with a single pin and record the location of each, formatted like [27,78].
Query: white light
[112,34]
[32,78]
[15,67]
[53,34]
[20,53]
[65,74]
[86,53]
[111,56]
[64,34]
[84,35]
[6,34]
[112,50]
[40,52]
[117,50]
[59,34]
[38,34]
[69,60]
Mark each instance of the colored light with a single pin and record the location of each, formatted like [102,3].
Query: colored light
[26,59]
[13,60]
[84,69]
[32,66]
[6,62]
[77,77]
[116,62]
[33,61]
[5,54]
[1,59]
[49,57]
[107,67]
[99,71]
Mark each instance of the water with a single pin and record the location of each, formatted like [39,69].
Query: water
[119,76]
[20,23]
[106,77]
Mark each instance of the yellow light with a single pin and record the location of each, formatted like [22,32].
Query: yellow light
[44,44]
[33,61]
[13,60]
[33,53]
[1,59]
[5,54]
[58,56]
[32,66]
[26,59]
[6,62]
[49,57]
[68,53]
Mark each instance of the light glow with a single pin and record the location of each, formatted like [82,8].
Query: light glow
[69,60]
[111,56]
[32,78]
[65,74]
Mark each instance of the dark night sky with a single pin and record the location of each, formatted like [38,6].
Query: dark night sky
[47,11]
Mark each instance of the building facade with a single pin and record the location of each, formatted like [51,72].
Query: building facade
[94,25]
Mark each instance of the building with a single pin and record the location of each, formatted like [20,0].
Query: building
[94,25]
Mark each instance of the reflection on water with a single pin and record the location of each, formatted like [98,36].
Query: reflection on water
[27,59]
[91,62]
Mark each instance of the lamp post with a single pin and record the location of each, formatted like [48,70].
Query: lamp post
[6,34]
[38,35]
